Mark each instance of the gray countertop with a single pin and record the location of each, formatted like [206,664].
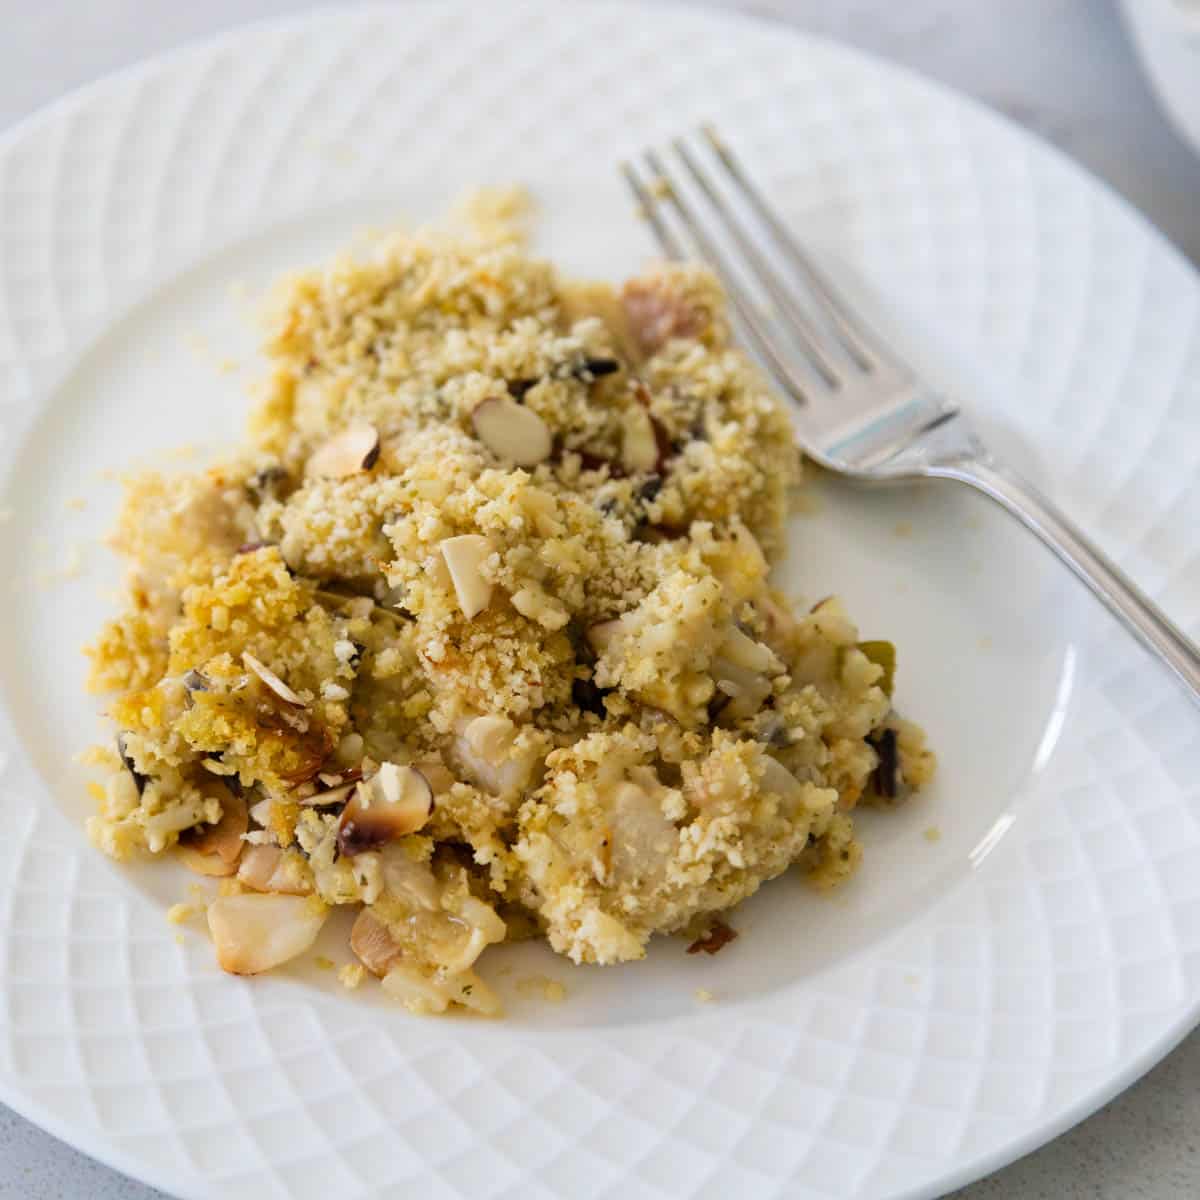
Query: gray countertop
[1060,67]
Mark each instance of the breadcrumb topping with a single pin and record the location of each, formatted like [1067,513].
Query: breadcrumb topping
[475,632]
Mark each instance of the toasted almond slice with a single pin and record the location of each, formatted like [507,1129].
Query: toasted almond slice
[224,839]
[372,941]
[272,680]
[512,432]
[269,869]
[337,795]
[254,932]
[464,557]
[394,802]
[211,865]
[639,445]
[346,454]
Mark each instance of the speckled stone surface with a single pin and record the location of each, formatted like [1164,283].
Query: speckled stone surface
[1060,67]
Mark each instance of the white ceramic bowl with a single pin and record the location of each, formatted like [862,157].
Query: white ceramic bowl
[1167,36]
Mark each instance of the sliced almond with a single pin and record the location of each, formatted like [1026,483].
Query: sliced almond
[270,869]
[512,432]
[639,445]
[346,454]
[372,941]
[464,557]
[254,932]
[394,802]
[272,680]
[326,799]
[224,839]
[210,865]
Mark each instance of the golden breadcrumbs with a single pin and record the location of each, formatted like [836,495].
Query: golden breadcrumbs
[475,634]
[351,975]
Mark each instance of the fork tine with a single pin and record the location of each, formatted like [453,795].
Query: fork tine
[803,328]
[716,258]
[859,343]
[649,209]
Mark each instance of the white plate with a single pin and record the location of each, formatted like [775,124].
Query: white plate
[965,998]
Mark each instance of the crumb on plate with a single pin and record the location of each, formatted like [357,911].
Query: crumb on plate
[351,975]
[180,914]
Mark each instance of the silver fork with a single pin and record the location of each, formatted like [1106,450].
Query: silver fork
[862,412]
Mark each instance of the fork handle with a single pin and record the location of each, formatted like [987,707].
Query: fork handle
[1131,606]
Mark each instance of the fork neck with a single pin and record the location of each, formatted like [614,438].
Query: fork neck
[1115,590]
